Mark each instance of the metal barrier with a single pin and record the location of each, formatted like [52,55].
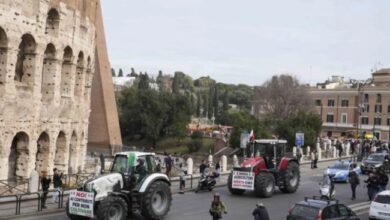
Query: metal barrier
[18,183]
[20,201]
[16,201]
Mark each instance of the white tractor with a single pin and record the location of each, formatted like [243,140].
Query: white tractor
[125,190]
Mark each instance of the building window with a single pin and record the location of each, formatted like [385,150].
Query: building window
[344,118]
[329,118]
[364,121]
[378,98]
[366,108]
[377,121]
[388,121]
[388,108]
[344,103]
[331,102]
[366,97]
[378,108]
[318,102]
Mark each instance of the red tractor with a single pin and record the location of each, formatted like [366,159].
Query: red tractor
[265,168]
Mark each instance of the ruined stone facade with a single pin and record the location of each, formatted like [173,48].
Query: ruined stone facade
[47,63]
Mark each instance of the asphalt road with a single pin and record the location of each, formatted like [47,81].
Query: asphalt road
[191,206]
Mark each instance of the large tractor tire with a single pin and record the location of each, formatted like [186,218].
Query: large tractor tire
[156,201]
[71,216]
[291,178]
[231,189]
[112,208]
[264,184]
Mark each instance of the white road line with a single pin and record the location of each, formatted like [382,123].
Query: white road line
[359,204]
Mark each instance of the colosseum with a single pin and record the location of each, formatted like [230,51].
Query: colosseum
[47,63]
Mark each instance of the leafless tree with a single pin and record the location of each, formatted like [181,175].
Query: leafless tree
[280,97]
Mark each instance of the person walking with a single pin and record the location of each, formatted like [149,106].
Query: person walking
[45,183]
[217,207]
[299,153]
[168,165]
[260,212]
[202,167]
[183,174]
[354,181]
[57,183]
[312,158]
[383,180]
[372,185]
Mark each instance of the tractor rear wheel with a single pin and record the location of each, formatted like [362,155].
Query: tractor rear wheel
[291,178]
[230,186]
[156,201]
[264,184]
[112,208]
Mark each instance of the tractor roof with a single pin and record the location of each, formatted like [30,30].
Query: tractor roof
[135,153]
[270,141]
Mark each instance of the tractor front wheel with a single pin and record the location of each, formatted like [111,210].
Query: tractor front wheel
[264,184]
[112,208]
[157,201]
[230,186]
[291,178]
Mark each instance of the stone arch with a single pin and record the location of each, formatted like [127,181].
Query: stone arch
[18,158]
[3,57]
[88,78]
[60,153]
[25,64]
[48,73]
[73,154]
[79,83]
[43,152]
[52,22]
[66,72]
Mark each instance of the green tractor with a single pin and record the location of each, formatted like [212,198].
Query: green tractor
[127,189]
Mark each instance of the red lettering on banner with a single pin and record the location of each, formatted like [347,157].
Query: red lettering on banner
[81,194]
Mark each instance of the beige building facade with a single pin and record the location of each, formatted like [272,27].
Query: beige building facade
[47,63]
[358,108]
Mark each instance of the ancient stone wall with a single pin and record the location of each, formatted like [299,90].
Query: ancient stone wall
[47,63]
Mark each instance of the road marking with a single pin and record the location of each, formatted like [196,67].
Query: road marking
[360,208]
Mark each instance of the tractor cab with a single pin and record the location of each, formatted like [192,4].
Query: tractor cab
[133,173]
[271,150]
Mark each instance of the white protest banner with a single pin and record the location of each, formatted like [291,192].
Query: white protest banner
[81,203]
[243,180]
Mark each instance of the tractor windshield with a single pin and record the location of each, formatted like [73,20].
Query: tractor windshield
[265,149]
[120,164]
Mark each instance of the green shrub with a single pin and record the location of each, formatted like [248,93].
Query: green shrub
[196,135]
[195,145]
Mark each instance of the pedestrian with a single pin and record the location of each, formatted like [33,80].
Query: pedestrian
[45,183]
[168,165]
[217,207]
[353,180]
[315,158]
[339,147]
[312,159]
[372,185]
[260,212]
[383,180]
[183,174]
[202,167]
[57,182]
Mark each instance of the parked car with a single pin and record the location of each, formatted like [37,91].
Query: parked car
[340,170]
[380,206]
[373,161]
[317,209]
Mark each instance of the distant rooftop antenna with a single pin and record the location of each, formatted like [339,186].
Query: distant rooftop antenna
[377,65]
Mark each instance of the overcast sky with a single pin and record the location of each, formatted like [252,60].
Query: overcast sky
[248,41]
